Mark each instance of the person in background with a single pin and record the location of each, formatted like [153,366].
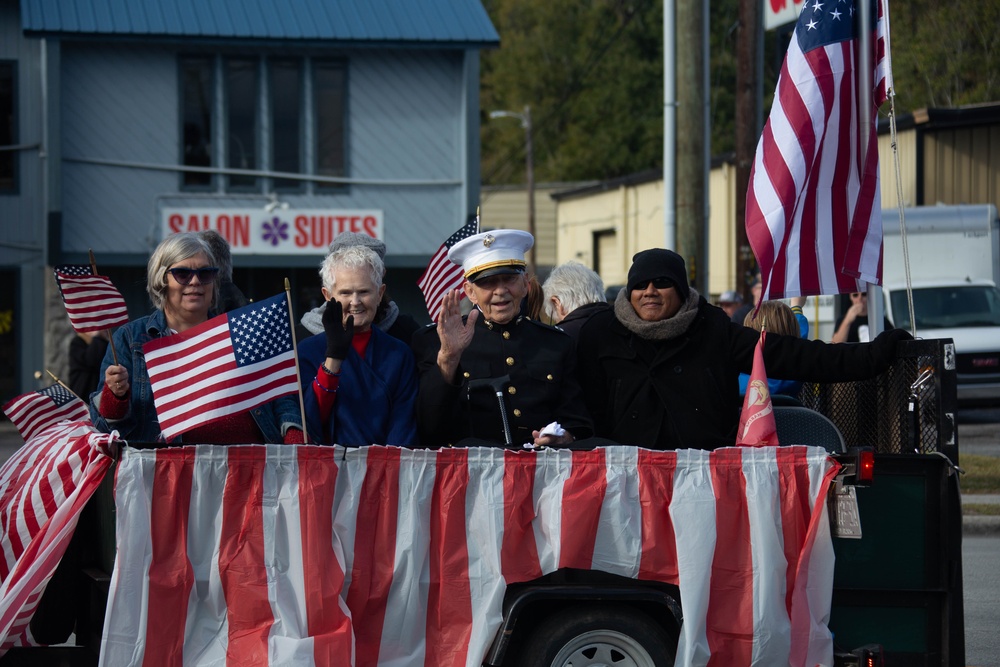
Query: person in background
[730,301]
[388,318]
[360,382]
[573,294]
[534,299]
[496,363]
[741,312]
[776,318]
[852,327]
[230,296]
[86,352]
[661,369]
[180,280]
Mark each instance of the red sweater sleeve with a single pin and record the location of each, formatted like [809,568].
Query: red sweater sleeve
[325,388]
[113,407]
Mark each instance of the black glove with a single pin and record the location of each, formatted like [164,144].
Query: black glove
[887,343]
[338,336]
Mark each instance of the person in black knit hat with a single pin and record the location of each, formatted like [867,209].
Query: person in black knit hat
[660,370]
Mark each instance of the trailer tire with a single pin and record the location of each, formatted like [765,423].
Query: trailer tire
[607,635]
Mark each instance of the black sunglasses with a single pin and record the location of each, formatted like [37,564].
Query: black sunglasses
[658,283]
[184,276]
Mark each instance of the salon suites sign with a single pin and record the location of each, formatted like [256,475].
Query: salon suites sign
[254,231]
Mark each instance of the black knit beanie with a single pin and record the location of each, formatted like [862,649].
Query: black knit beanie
[658,263]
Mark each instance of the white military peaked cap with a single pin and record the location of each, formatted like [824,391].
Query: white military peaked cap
[492,253]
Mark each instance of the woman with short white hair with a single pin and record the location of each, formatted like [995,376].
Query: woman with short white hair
[362,382]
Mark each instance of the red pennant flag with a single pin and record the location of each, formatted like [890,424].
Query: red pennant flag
[757,427]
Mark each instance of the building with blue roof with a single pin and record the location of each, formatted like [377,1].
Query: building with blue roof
[280,123]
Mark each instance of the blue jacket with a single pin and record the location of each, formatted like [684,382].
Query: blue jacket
[140,423]
[376,398]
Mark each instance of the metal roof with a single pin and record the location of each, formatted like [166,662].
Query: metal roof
[440,23]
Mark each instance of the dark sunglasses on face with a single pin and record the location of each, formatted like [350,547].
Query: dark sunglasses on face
[184,276]
[658,283]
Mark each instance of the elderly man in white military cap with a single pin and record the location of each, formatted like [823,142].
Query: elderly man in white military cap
[496,376]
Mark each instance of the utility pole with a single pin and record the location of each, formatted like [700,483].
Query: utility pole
[692,186]
[529,171]
[747,132]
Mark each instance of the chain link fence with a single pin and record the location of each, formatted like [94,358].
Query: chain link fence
[909,408]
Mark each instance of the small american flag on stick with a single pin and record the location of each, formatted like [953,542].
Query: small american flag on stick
[92,302]
[35,411]
[441,274]
[230,364]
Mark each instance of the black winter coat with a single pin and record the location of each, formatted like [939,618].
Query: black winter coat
[542,386]
[684,392]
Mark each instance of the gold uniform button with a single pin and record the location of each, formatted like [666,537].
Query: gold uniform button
[506,335]
[510,361]
[549,377]
[465,374]
[517,413]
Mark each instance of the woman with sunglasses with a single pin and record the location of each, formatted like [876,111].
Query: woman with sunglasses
[181,283]
[661,369]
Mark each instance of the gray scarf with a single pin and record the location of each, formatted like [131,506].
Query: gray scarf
[662,330]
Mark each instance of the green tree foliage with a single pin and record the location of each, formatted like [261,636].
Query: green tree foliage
[945,54]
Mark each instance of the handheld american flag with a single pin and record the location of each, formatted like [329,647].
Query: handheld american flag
[230,364]
[813,211]
[43,489]
[92,302]
[35,411]
[441,274]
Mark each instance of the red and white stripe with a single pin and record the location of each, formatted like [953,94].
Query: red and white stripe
[302,555]
[92,302]
[813,210]
[440,277]
[43,488]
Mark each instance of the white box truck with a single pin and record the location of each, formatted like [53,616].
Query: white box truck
[954,257]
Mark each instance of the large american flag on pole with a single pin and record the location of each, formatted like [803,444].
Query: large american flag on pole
[278,555]
[92,302]
[35,411]
[813,210]
[43,488]
[441,274]
[230,364]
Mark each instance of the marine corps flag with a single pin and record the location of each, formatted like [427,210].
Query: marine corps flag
[757,427]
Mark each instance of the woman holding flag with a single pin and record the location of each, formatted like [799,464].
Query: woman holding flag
[181,281]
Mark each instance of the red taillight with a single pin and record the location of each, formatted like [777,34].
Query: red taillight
[866,467]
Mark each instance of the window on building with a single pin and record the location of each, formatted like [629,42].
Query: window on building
[277,114]
[197,114]
[242,113]
[286,126]
[8,126]
[329,99]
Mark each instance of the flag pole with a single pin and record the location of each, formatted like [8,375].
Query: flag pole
[295,354]
[111,339]
[864,65]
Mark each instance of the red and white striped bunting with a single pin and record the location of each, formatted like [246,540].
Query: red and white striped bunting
[294,555]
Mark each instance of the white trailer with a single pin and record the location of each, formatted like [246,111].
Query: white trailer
[954,259]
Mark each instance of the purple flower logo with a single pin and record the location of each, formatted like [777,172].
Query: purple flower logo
[275,231]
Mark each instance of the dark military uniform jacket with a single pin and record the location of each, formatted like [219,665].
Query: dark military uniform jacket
[539,361]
